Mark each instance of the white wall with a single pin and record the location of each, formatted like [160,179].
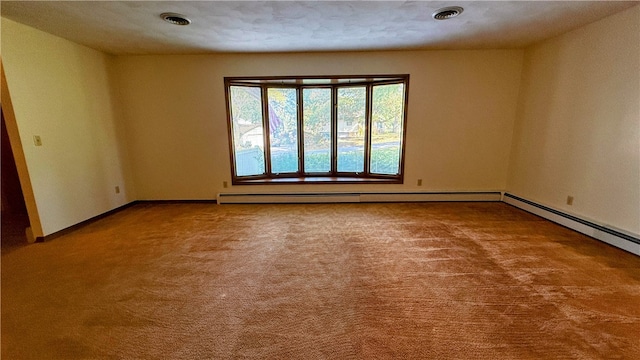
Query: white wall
[578,124]
[462,106]
[62,92]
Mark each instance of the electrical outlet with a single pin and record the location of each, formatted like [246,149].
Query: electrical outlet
[569,200]
[419,182]
[224,184]
[117,189]
[37,140]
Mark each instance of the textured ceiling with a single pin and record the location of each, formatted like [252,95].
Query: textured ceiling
[135,27]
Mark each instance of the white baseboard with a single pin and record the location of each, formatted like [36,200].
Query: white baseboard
[624,241]
[348,197]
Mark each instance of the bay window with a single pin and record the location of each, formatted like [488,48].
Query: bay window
[317,129]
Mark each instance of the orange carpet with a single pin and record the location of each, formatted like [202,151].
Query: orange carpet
[336,281]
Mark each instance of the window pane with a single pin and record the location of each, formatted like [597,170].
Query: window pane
[386,128]
[248,140]
[283,130]
[317,130]
[351,128]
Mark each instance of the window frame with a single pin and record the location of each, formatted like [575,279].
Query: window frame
[299,83]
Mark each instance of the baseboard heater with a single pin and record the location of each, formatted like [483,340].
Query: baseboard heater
[354,197]
[624,241]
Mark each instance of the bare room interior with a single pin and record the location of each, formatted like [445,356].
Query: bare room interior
[320,179]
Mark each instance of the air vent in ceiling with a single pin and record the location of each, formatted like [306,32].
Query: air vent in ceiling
[447,13]
[175,19]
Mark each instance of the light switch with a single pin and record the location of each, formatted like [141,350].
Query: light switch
[37,140]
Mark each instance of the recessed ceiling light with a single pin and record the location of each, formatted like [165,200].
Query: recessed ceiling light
[447,12]
[175,19]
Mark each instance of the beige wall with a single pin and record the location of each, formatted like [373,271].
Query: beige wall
[578,125]
[61,91]
[460,118]
[156,125]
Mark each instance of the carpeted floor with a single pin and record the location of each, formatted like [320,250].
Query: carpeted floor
[339,281]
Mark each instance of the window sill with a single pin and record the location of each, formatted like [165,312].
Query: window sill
[316,180]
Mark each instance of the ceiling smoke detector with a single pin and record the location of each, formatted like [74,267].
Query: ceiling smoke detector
[175,19]
[447,12]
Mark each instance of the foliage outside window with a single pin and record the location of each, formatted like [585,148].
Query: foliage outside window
[317,129]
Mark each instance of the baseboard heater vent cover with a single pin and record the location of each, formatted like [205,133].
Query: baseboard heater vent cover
[605,234]
[354,197]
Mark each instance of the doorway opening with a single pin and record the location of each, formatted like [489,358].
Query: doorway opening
[14,211]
